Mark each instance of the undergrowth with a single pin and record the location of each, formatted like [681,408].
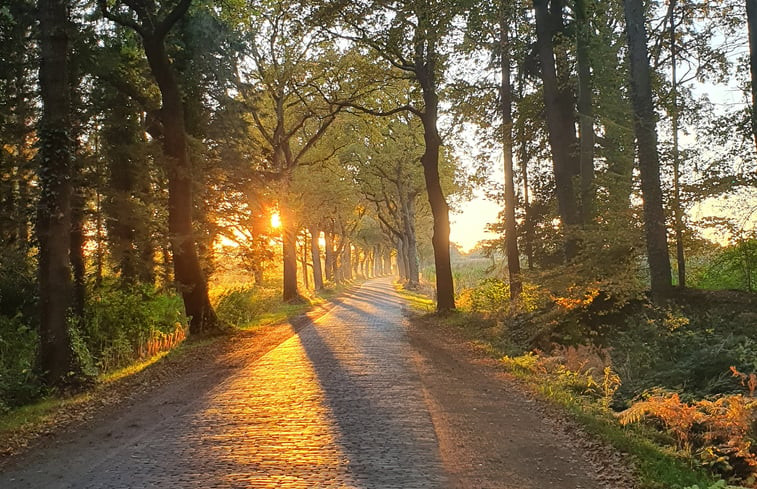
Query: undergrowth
[671,384]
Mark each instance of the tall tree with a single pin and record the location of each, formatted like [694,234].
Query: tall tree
[646,141]
[560,107]
[410,37]
[287,65]
[678,227]
[55,175]
[751,15]
[153,23]
[506,102]
[585,107]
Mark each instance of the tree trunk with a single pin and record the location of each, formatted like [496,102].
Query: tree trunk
[506,108]
[304,264]
[54,208]
[677,210]
[646,140]
[329,256]
[347,260]
[289,253]
[411,243]
[315,251]
[560,124]
[585,112]
[187,269]
[751,15]
[401,264]
[445,289]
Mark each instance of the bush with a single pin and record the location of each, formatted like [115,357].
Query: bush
[123,325]
[240,306]
[19,382]
[717,431]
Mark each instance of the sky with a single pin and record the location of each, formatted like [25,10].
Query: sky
[468,226]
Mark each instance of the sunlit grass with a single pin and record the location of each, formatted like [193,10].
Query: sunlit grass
[417,301]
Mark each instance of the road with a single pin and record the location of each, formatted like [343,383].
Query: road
[349,400]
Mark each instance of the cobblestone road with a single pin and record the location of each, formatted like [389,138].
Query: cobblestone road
[340,404]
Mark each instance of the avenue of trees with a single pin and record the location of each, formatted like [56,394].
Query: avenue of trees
[147,146]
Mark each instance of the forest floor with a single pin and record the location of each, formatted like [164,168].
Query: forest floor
[358,397]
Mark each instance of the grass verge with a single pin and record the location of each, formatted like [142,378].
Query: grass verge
[656,467]
[19,425]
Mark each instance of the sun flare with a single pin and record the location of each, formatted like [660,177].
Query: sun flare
[275,220]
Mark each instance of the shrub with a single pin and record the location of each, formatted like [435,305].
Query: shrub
[240,306]
[122,325]
[19,382]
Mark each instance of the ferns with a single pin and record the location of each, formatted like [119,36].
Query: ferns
[718,431]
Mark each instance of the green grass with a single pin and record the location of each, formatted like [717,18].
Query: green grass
[417,301]
[657,467]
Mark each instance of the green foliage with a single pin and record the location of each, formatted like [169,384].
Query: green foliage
[242,305]
[120,323]
[733,267]
[18,286]
[19,383]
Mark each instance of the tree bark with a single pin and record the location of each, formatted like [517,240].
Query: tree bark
[329,260]
[289,253]
[677,210]
[187,269]
[401,264]
[445,290]
[560,122]
[585,112]
[54,208]
[315,252]
[646,140]
[346,265]
[407,203]
[506,109]
[751,14]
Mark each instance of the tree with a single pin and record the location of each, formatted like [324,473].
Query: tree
[646,141]
[289,62]
[54,208]
[558,102]
[411,42]
[153,23]
[751,14]
[585,108]
[506,101]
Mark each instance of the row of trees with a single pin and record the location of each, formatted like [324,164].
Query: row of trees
[168,125]
[578,83]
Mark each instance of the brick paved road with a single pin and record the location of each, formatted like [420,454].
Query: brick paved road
[340,404]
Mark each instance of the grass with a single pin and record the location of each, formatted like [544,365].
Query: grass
[656,467]
[417,301]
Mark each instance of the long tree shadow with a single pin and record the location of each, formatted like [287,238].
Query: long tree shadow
[374,394]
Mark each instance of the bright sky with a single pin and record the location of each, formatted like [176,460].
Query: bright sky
[467,227]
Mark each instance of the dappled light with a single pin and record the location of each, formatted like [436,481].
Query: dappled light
[564,188]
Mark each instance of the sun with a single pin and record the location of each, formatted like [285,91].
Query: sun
[275,220]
